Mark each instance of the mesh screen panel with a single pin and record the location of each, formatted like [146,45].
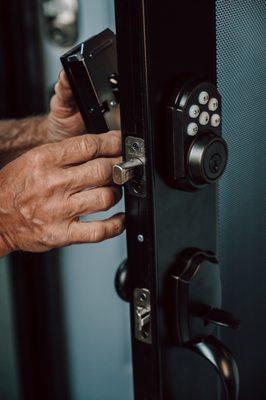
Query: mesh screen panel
[241,69]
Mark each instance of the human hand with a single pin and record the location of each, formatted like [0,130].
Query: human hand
[64,119]
[47,189]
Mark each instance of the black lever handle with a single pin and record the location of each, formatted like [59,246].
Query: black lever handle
[221,358]
[222,318]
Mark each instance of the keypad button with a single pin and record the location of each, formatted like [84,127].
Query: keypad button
[204,118]
[213,104]
[192,129]
[204,97]
[215,120]
[194,111]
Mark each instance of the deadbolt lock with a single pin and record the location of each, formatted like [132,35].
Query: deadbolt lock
[132,170]
[126,171]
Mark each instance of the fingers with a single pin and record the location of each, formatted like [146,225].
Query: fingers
[95,173]
[63,90]
[63,109]
[81,149]
[97,231]
[94,200]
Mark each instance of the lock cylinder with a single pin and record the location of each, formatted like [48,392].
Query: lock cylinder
[207,158]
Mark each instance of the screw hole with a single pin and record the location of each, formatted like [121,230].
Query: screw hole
[136,187]
[135,146]
[142,297]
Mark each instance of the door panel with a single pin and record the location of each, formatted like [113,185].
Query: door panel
[154,50]
[161,47]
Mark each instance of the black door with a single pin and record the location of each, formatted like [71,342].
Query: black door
[187,69]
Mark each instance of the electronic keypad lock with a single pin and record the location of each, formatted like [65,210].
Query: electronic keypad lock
[197,153]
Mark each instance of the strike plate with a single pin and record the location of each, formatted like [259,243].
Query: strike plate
[142,309]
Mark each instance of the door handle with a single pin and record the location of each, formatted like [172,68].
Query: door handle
[196,310]
[222,360]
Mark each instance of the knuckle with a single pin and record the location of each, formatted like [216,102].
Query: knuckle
[106,199]
[103,170]
[98,233]
[48,238]
[88,144]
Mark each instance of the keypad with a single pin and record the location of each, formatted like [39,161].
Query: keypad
[194,111]
[202,110]
[213,104]
[192,129]
[204,97]
[204,118]
[215,120]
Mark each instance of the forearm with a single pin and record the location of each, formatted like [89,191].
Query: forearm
[18,136]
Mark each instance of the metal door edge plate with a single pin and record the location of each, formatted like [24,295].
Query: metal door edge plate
[135,148]
[142,315]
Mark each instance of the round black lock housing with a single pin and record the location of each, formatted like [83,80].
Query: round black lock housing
[207,158]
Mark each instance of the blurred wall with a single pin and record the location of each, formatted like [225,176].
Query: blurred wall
[9,388]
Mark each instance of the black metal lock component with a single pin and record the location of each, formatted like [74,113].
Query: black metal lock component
[92,71]
[196,302]
[197,152]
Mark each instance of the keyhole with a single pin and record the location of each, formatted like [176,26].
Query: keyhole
[215,163]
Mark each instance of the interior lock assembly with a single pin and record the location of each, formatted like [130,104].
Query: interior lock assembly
[92,71]
[198,153]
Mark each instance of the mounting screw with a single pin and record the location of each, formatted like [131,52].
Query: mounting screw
[140,238]
[135,146]
[142,297]
[112,103]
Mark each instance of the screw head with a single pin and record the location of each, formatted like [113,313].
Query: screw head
[136,186]
[142,297]
[140,238]
[135,146]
